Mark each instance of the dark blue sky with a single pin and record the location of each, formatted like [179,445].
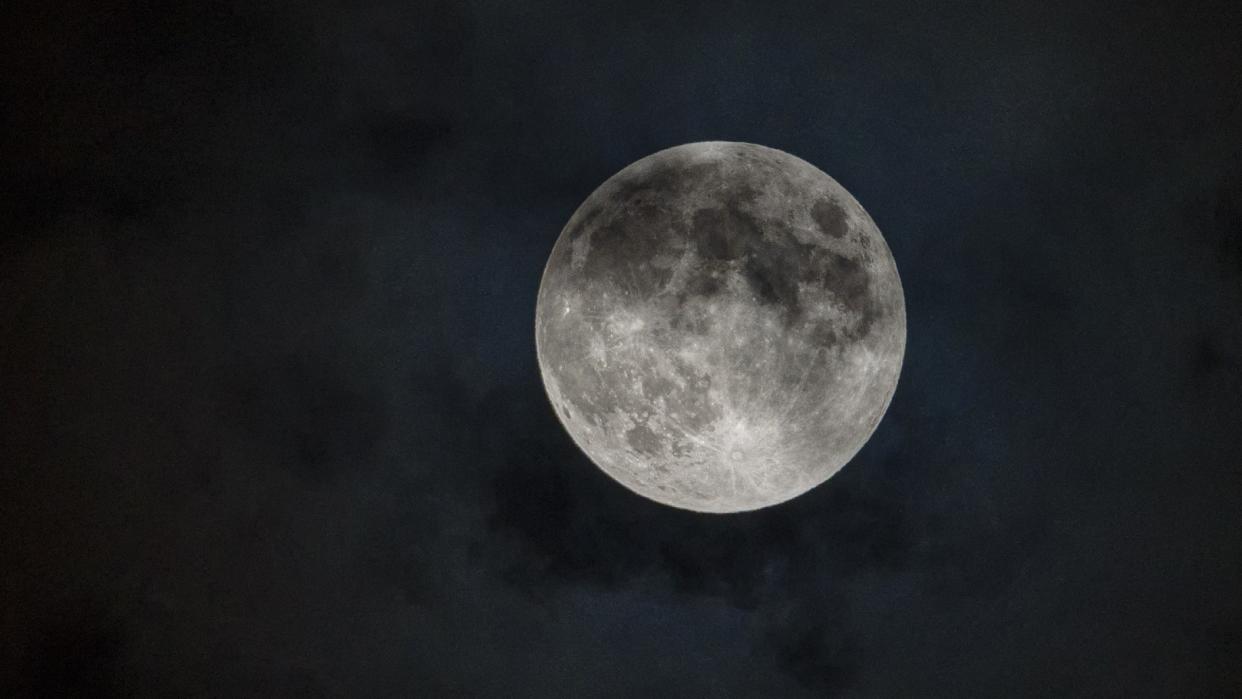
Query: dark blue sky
[273,426]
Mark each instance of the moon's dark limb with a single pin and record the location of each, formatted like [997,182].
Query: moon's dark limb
[720,326]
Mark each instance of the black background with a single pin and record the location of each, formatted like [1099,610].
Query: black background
[273,425]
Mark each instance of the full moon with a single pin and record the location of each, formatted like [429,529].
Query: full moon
[720,326]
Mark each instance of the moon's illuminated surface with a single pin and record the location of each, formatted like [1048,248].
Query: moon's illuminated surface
[720,326]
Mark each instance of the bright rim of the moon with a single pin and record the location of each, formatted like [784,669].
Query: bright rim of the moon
[720,326]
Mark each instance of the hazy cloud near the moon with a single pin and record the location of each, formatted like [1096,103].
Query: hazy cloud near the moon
[272,423]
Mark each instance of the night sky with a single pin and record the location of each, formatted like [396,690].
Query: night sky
[272,422]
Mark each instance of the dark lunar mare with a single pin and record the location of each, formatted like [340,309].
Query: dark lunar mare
[720,326]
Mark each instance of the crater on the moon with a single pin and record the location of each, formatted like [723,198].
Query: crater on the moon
[720,326]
